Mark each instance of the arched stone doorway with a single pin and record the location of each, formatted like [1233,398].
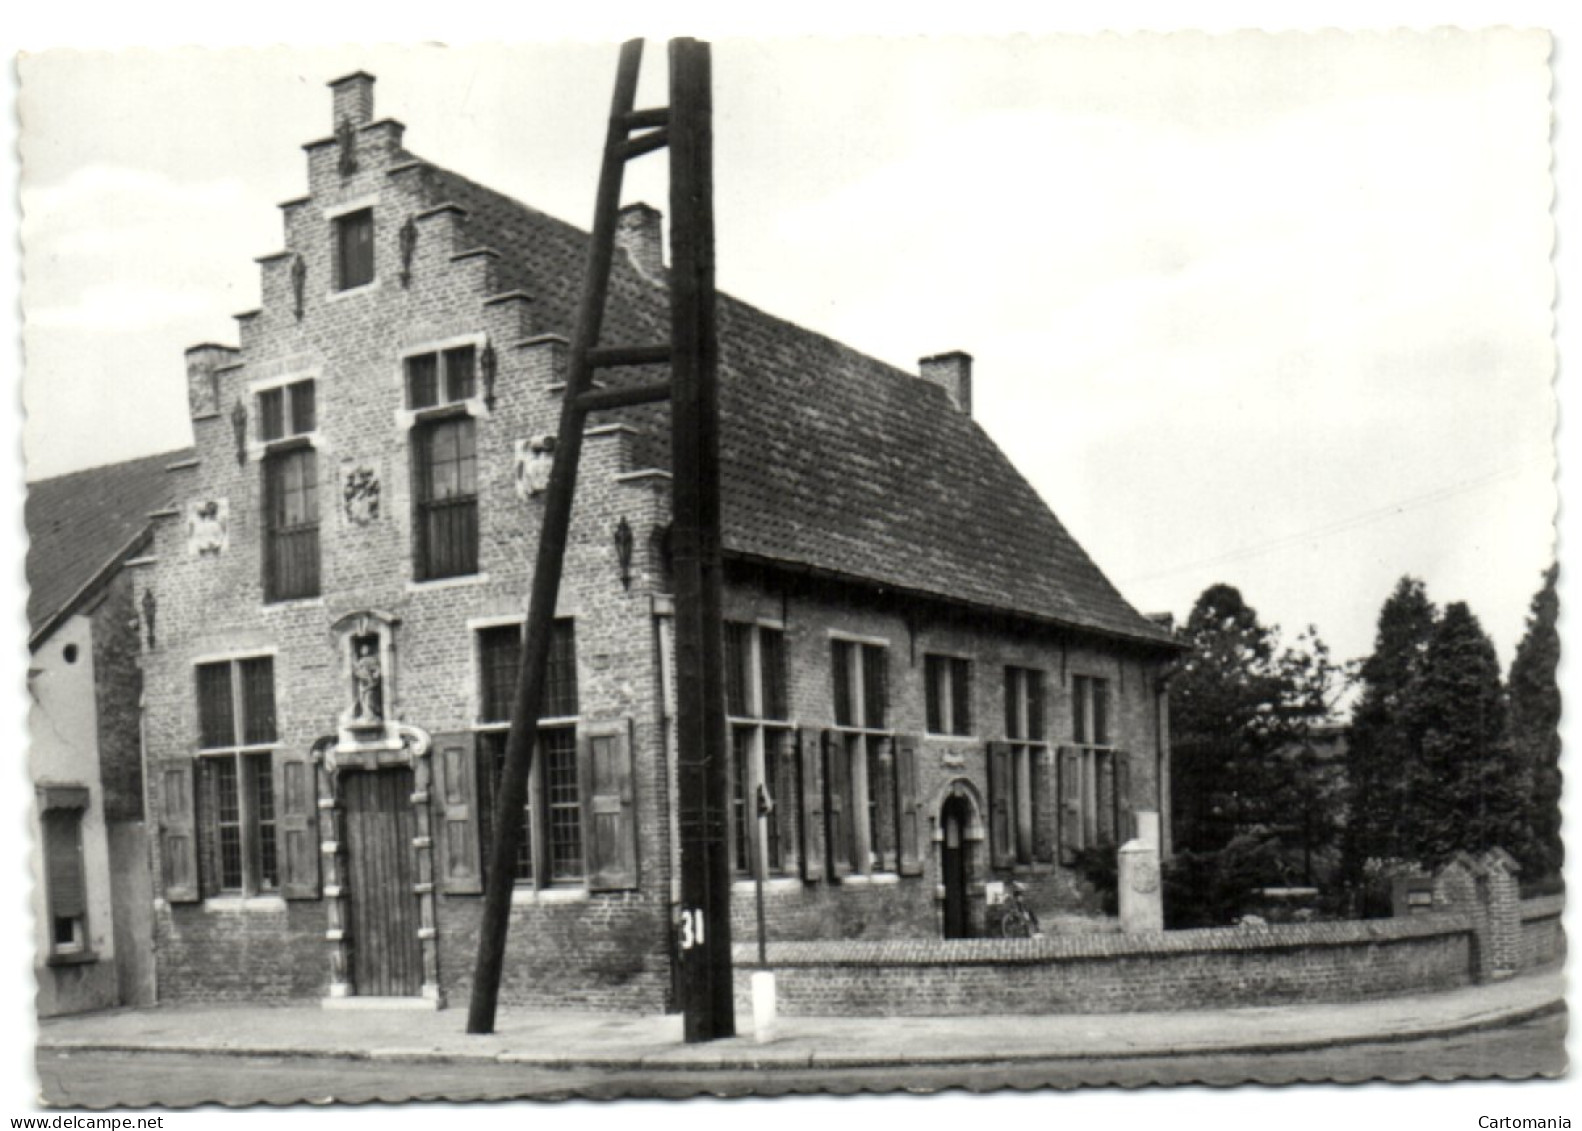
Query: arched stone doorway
[958,841]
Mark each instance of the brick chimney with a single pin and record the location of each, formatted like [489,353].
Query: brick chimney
[639,231]
[203,384]
[953,373]
[354,99]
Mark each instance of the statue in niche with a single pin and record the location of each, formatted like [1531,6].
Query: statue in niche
[368,680]
[208,523]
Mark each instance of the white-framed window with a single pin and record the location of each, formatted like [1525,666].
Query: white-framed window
[550,852]
[763,752]
[947,694]
[237,739]
[861,780]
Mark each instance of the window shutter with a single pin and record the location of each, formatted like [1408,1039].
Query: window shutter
[882,784]
[609,805]
[1070,787]
[1002,853]
[837,773]
[1046,813]
[297,820]
[178,834]
[456,794]
[911,806]
[783,791]
[63,870]
[1124,825]
[811,762]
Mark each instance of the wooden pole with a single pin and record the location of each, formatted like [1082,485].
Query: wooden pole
[551,557]
[705,929]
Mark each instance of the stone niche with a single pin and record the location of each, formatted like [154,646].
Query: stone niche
[366,643]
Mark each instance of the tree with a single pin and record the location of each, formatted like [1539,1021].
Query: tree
[1382,748]
[1466,790]
[1535,728]
[1241,704]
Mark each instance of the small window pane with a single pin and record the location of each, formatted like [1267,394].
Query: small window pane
[459,373]
[875,689]
[355,249]
[258,700]
[1079,709]
[1035,705]
[738,655]
[263,789]
[559,747]
[227,820]
[960,696]
[422,381]
[772,660]
[216,725]
[560,680]
[931,695]
[1101,711]
[304,411]
[271,414]
[741,821]
[840,664]
[500,663]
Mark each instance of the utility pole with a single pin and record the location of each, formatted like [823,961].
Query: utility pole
[704,932]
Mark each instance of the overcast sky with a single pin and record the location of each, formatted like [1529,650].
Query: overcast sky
[1271,310]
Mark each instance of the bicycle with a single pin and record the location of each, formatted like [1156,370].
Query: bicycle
[1017,920]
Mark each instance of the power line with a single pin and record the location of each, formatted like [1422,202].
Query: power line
[1342,525]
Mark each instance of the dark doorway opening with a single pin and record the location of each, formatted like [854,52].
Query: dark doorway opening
[954,817]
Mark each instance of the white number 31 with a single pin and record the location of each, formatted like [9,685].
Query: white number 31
[691,927]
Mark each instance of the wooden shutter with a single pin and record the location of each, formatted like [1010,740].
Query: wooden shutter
[1070,795]
[63,870]
[911,806]
[298,826]
[609,805]
[882,785]
[786,797]
[178,840]
[1046,814]
[1125,828]
[1002,835]
[456,806]
[810,759]
[837,777]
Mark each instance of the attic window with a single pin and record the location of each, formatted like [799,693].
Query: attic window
[354,249]
[441,377]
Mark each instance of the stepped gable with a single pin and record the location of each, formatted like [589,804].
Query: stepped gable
[831,460]
[81,524]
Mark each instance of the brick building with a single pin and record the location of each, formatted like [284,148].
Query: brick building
[91,900]
[931,679]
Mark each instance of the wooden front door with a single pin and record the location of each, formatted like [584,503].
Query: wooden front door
[386,954]
[953,818]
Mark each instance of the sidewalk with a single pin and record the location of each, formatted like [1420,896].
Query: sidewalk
[567,1040]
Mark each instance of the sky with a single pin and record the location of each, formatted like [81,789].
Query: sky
[1265,310]
[1272,311]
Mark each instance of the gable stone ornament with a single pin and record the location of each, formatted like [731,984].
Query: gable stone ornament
[299,283]
[408,237]
[239,426]
[360,494]
[535,458]
[208,527]
[346,138]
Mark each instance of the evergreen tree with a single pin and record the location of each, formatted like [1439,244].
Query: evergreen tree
[1466,791]
[1239,705]
[1382,747]
[1535,728]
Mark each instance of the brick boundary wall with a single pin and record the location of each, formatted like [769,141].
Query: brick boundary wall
[1543,939]
[1164,970]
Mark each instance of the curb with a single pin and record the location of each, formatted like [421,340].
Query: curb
[671,1061]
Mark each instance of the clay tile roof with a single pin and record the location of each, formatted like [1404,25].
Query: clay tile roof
[831,460]
[80,526]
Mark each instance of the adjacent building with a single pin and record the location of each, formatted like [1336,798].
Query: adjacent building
[92,901]
[931,681]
